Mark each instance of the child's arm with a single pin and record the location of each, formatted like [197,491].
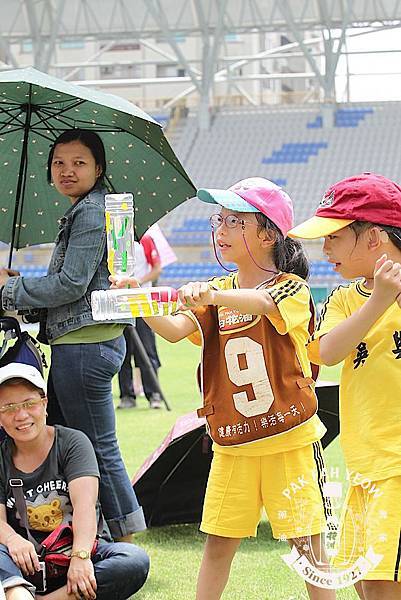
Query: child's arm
[255,302]
[171,328]
[338,343]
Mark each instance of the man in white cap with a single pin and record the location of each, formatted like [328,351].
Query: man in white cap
[56,469]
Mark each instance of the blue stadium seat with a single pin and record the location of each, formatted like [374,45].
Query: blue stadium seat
[350,117]
[294,153]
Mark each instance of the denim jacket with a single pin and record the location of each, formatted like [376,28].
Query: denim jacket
[77,267]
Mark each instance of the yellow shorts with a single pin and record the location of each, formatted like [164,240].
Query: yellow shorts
[371,523]
[287,484]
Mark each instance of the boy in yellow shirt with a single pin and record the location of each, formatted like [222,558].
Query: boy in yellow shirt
[360,324]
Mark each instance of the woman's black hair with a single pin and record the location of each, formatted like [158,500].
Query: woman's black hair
[90,139]
[288,254]
[394,233]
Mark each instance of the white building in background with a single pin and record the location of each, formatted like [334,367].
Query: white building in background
[203,53]
[148,73]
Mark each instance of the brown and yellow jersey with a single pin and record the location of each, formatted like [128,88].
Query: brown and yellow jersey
[255,375]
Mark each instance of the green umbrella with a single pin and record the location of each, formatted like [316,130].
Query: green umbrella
[34,109]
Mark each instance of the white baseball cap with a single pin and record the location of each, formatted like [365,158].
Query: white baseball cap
[20,370]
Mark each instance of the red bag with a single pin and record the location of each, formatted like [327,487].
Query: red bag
[56,550]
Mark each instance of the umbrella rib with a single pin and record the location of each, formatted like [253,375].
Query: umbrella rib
[51,112]
[11,103]
[8,110]
[165,480]
[70,123]
[11,118]
[11,130]
[328,412]
[40,134]
[100,127]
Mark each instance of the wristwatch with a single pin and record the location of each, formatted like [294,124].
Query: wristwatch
[84,554]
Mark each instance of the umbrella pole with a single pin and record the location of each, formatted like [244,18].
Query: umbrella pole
[21,175]
[147,362]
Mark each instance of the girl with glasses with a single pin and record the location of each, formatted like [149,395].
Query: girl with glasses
[256,381]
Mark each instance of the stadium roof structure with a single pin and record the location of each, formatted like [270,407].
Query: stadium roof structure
[48,22]
[107,19]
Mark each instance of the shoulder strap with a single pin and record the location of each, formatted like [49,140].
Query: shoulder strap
[16,485]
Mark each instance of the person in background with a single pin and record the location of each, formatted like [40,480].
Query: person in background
[147,271]
[85,354]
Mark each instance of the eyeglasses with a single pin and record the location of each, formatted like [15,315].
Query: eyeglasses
[10,409]
[230,221]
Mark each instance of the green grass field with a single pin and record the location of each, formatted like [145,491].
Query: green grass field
[258,571]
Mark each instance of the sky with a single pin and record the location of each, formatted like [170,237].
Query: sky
[367,87]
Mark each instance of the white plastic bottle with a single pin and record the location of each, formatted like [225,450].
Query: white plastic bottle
[119,212]
[108,305]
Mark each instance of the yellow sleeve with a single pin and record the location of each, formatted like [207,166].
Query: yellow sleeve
[332,314]
[292,299]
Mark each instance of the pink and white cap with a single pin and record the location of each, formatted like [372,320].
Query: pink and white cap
[255,194]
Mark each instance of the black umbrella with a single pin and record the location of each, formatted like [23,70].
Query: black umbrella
[171,483]
[327,393]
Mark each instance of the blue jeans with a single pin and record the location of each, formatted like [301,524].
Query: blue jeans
[120,571]
[81,375]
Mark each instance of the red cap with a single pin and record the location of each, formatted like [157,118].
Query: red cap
[367,197]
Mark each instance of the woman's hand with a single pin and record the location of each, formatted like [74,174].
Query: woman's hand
[81,579]
[12,272]
[4,276]
[195,293]
[387,282]
[23,554]
[123,282]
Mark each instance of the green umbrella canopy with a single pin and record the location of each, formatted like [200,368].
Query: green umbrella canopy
[34,109]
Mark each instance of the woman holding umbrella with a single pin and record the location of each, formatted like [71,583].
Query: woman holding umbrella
[84,355]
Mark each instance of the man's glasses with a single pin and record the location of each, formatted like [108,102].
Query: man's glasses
[10,409]
[230,221]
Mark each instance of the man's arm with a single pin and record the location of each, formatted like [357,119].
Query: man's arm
[83,493]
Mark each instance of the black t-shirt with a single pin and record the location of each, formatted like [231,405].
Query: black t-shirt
[46,488]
